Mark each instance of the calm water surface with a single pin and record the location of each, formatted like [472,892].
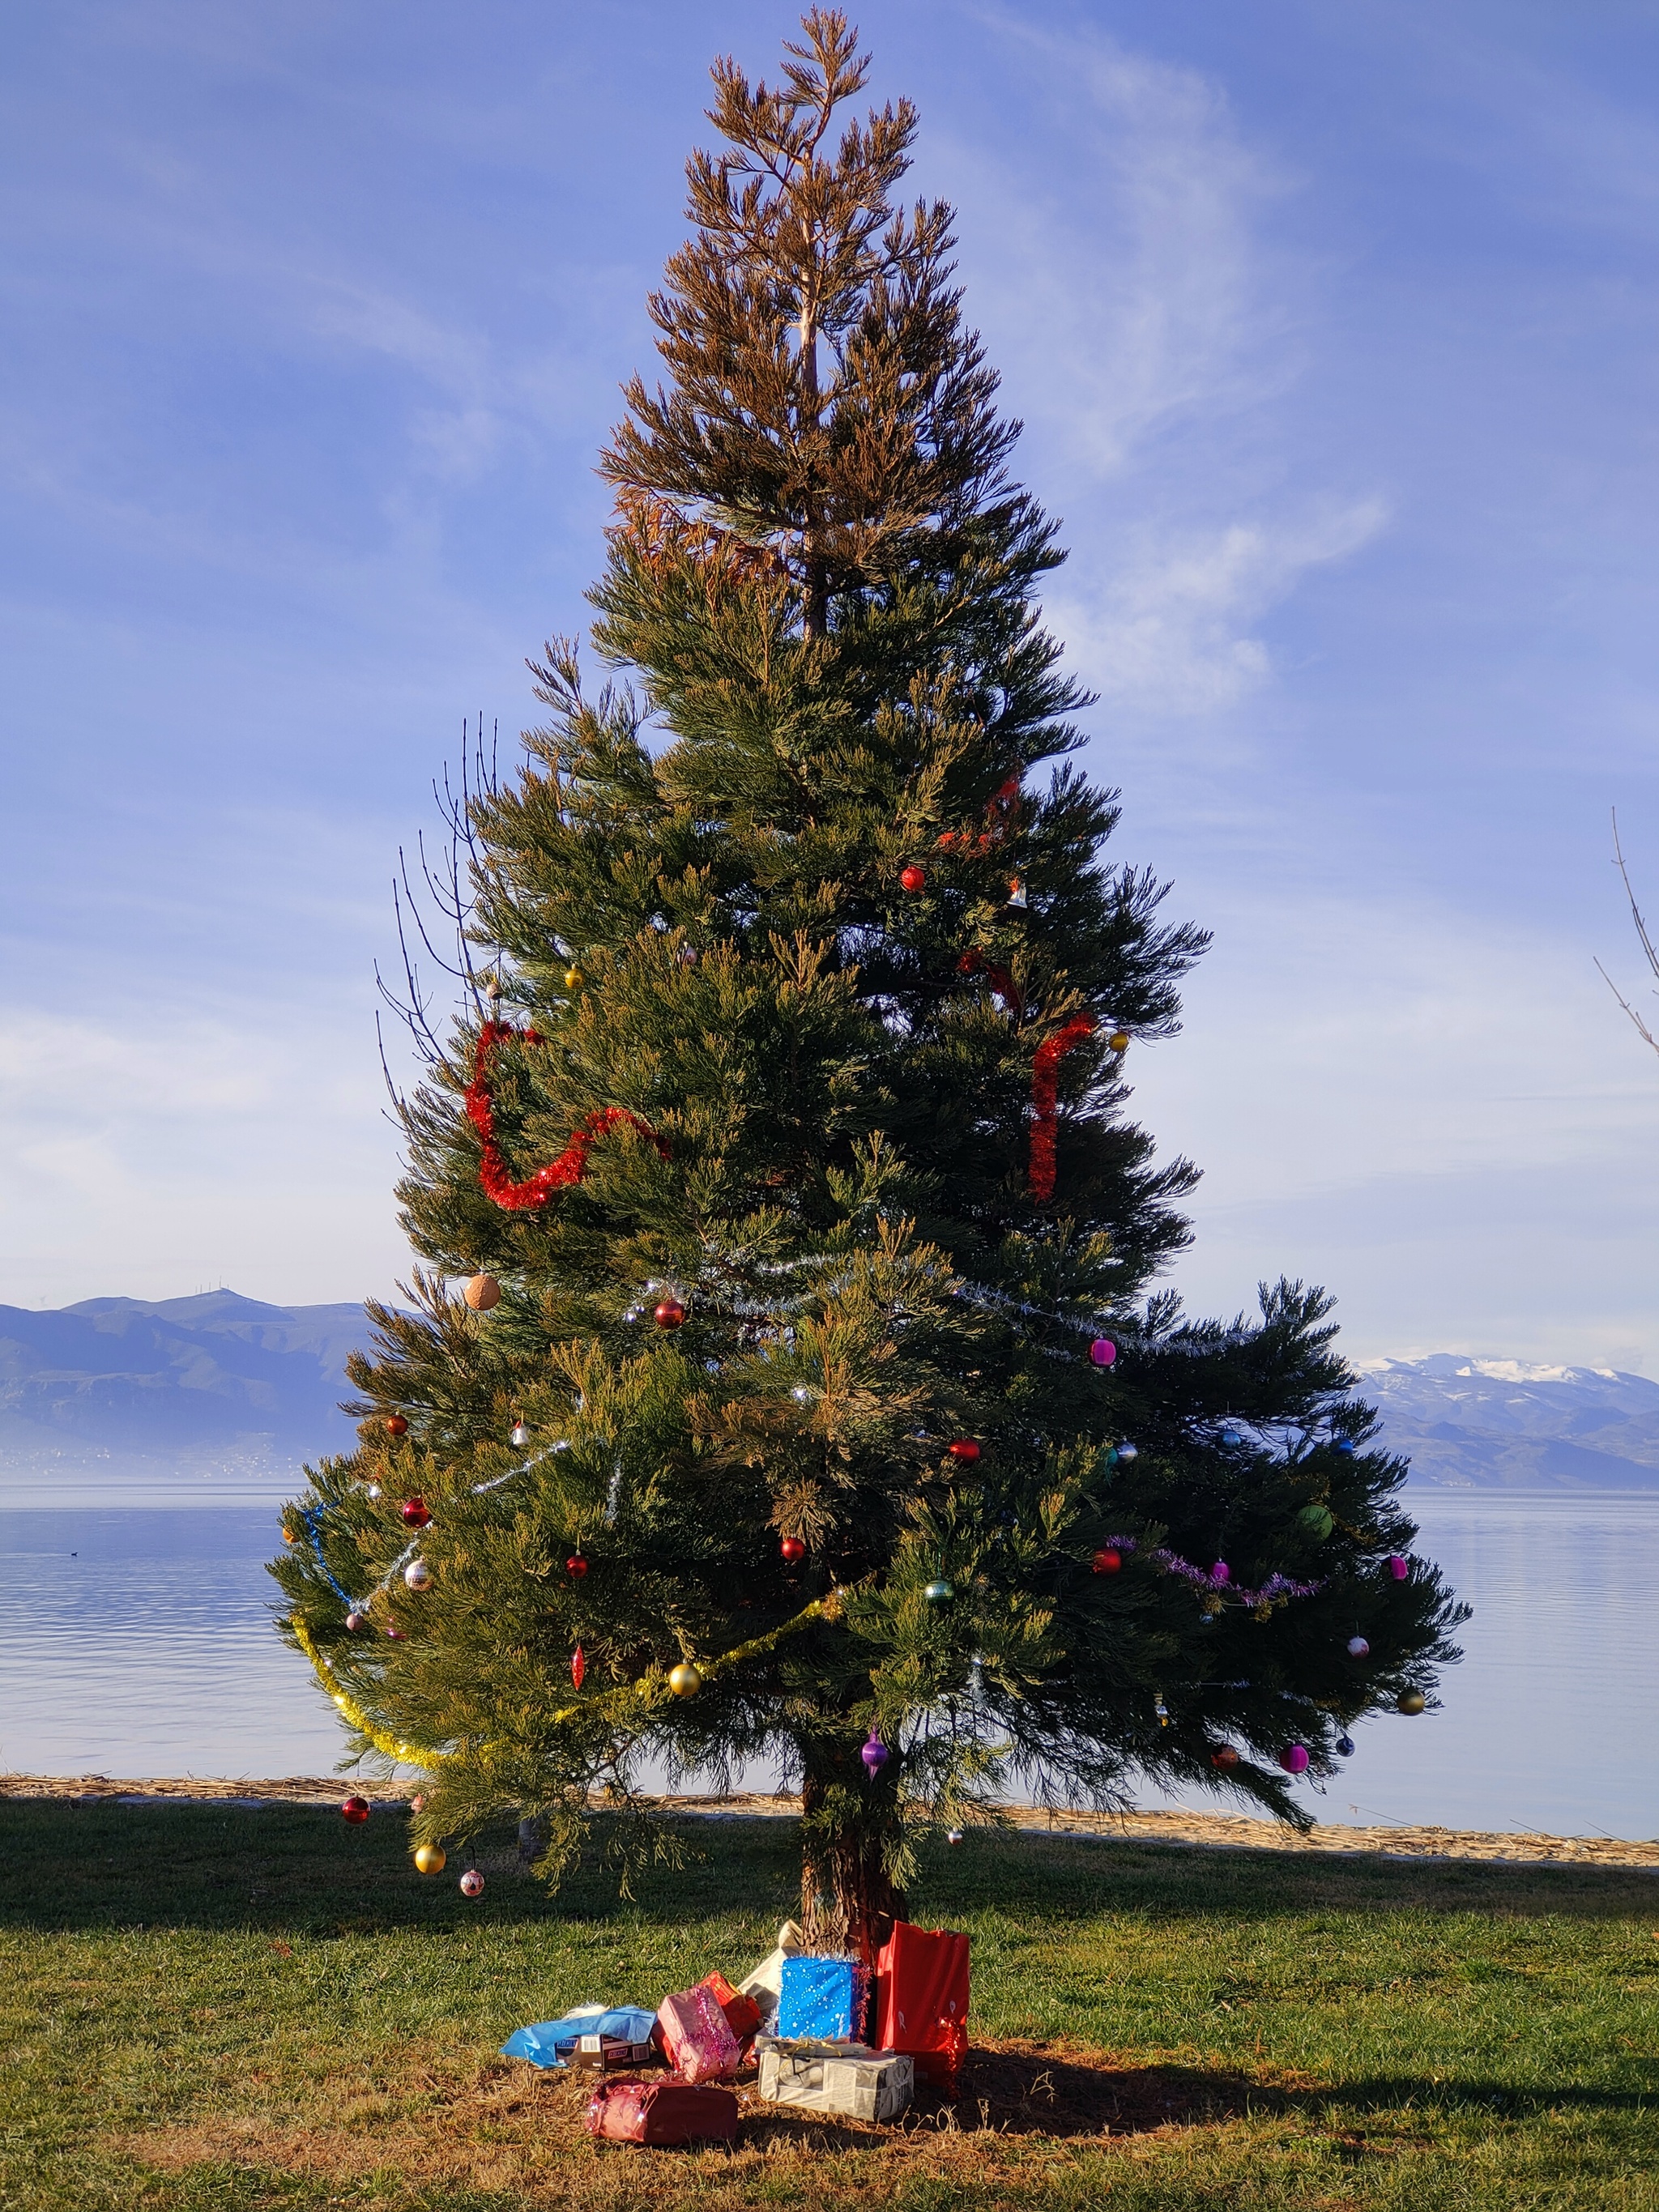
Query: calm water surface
[137,1641]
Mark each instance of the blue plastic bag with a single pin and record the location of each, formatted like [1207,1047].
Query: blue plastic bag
[822,1999]
[550,2042]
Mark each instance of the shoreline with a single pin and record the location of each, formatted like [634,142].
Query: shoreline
[1189,1831]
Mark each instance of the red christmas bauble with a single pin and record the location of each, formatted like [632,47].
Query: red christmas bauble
[912,877]
[670,1314]
[1108,1563]
[575,1565]
[396,1426]
[416,1512]
[965,1449]
[792,1549]
[1223,1756]
[355,1809]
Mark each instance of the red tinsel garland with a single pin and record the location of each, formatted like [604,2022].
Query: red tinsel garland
[571,1164]
[1045,1095]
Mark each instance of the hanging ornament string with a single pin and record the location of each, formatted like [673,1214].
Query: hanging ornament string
[557,1175]
[1045,1100]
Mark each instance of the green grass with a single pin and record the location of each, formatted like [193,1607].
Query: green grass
[204,2007]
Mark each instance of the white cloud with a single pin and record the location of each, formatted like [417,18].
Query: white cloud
[1168,632]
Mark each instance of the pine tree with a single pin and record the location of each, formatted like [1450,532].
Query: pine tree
[789,1116]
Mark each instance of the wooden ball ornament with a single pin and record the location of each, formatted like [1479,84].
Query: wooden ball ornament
[482,1293]
[1411,1702]
[685,1680]
[396,1426]
[671,1314]
[355,1809]
[430,1858]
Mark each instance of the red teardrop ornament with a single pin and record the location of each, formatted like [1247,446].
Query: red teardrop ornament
[578,1666]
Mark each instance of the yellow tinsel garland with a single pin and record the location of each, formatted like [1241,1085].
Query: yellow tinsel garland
[651,1689]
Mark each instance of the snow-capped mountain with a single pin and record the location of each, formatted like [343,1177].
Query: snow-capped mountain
[1480,1424]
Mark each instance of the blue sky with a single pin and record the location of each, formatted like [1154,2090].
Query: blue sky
[1334,330]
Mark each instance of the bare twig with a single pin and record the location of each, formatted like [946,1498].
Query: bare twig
[1651,955]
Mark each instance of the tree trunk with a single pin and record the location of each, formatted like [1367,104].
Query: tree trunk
[848,1902]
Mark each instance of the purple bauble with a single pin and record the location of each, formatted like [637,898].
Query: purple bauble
[1398,1568]
[1358,1648]
[874,1753]
[1294,1758]
[1221,1572]
[1103,1352]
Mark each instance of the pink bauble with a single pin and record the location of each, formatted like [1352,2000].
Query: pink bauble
[1398,1568]
[1294,1758]
[1103,1352]
[1221,1572]
[472,1883]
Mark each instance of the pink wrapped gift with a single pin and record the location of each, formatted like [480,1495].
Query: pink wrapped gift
[698,2036]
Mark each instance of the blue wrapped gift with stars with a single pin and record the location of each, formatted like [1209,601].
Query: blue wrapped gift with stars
[822,1998]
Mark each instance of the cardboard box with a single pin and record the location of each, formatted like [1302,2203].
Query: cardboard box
[836,2077]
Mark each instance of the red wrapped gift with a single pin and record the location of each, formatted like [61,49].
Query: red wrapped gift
[921,1999]
[743,2014]
[698,2036]
[663,2112]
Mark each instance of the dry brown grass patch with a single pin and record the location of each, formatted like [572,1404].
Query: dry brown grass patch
[509,2131]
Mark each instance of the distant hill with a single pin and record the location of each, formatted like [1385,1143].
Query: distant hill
[126,1390]
[123,1392]
[1504,1423]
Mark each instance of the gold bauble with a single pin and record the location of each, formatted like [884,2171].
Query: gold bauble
[429,1858]
[685,1681]
[1412,1701]
[1119,1040]
[573,979]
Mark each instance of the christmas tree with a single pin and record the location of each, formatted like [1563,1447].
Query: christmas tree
[809,1403]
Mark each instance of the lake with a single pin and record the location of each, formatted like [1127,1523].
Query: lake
[135,1641]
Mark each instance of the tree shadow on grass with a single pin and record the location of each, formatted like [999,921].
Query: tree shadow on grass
[301,1869]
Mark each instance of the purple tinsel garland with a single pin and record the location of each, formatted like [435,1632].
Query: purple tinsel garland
[1218,1579]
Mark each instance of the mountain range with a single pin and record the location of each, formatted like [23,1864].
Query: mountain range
[132,1393]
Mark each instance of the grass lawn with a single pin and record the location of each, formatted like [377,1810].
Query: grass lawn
[210,2007]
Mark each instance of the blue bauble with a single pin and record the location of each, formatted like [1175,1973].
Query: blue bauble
[1345,1746]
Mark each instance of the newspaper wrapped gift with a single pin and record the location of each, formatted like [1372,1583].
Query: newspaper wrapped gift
[697,2035]
[764,1983]
[823,1996]
[836,2077]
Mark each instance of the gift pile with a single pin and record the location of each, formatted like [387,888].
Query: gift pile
[811,2029]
